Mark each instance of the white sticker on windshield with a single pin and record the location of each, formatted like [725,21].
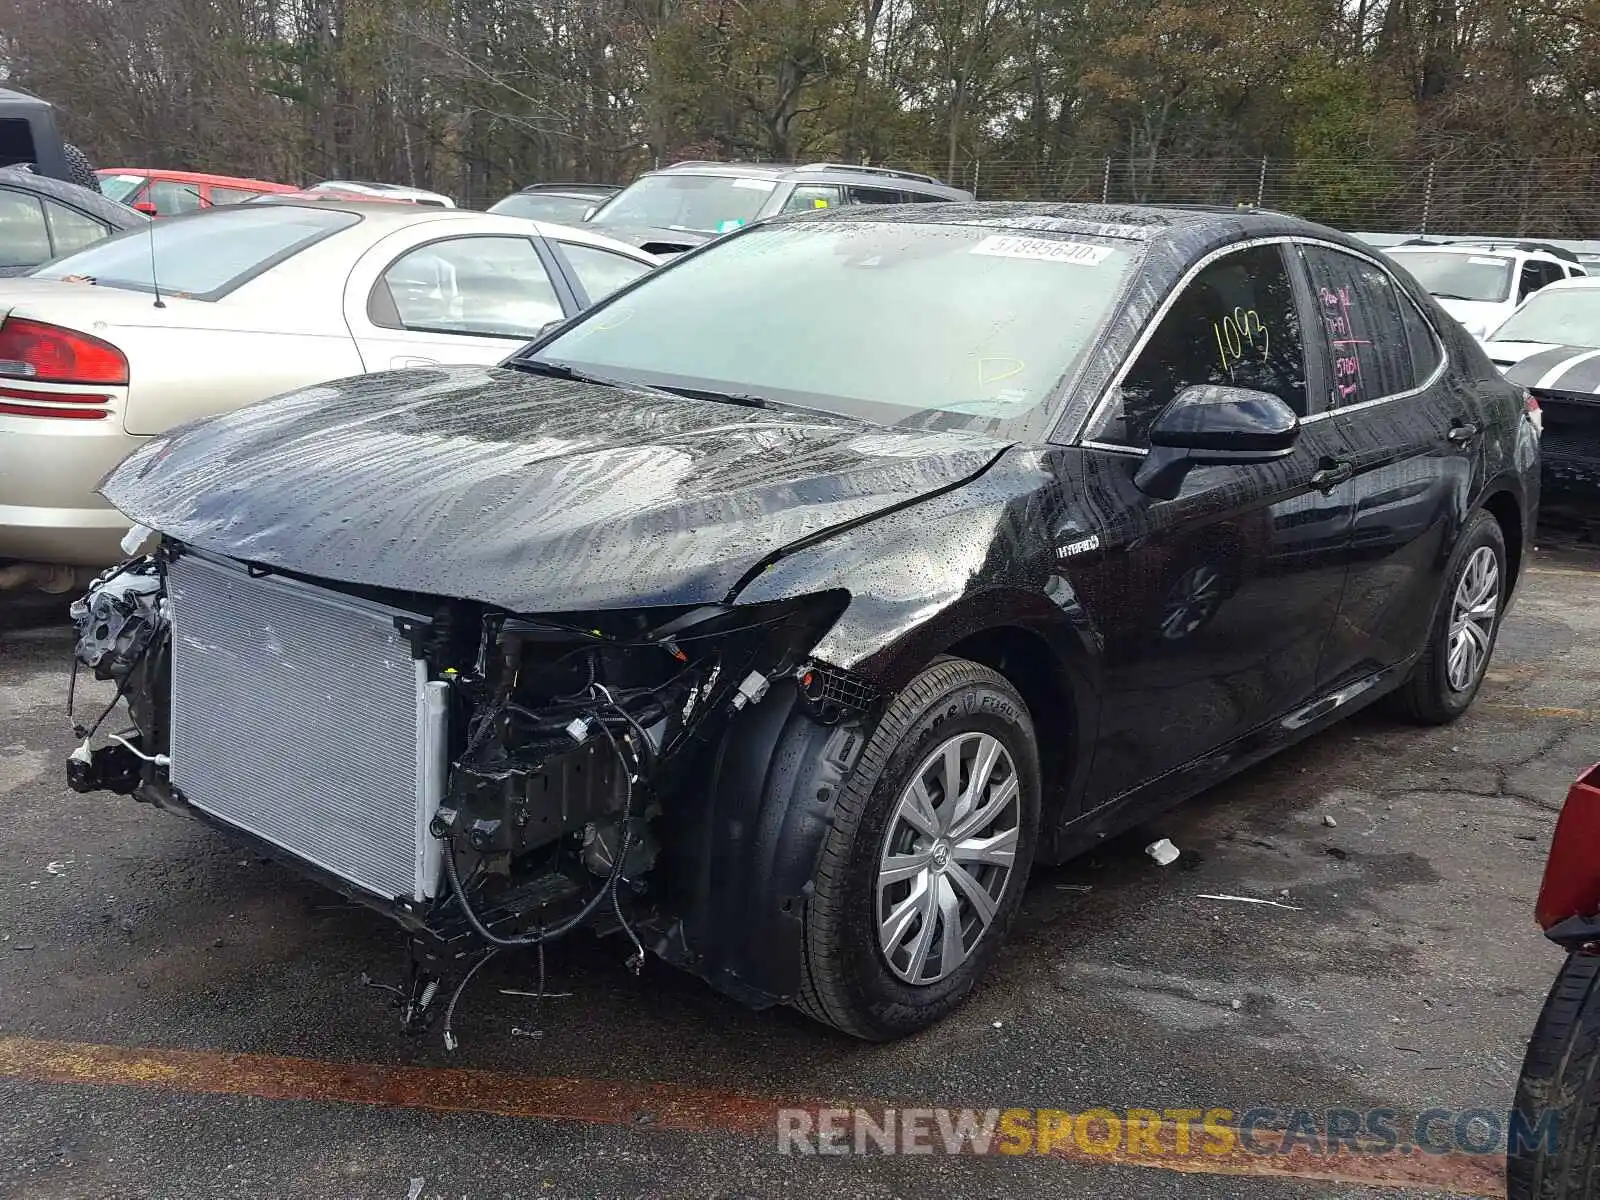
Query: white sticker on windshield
[1004,245]
[1485,262]
[755,185]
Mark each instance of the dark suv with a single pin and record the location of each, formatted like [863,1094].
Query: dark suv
[678,207]
[783,636]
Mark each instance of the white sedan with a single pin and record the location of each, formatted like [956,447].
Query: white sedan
[205,313]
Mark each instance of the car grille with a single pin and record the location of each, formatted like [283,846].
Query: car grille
[300,715]
[1569,448]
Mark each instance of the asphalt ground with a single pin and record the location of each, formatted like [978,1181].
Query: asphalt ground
[181,1019]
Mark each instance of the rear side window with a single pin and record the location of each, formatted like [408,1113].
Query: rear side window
[600,271]
[70,229]
[1234,324]
[24,241]
[203,257]
[1424,343]
[1363,321]
[870,195]
[807,196]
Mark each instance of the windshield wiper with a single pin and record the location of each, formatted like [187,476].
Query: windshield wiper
[1453,296]
[539,366]
[745,399]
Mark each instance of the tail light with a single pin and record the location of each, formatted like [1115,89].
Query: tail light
[1571,886]
[41,353]
[35,352]
[1530,405]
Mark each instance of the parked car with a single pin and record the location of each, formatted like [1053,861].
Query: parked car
[41,218]
[29,139]
[1551,346]
[1480,284]
[159,193]
[352,188]
[564,203]
[767,607]
[679,207]
[1550,1153]
[253,299]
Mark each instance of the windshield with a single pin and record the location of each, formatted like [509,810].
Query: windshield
[699,203]
[204,256]
[1455,276]
[1562,316]
[563,210]
[119,187]
[892,322]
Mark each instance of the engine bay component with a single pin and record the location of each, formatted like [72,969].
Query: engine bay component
[492,781]
[124,610]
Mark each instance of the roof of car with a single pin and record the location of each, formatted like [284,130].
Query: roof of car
[197,177]
[119,216]
[1134,222]
[831,172]
[576,188]
[378,213]
[1486,246]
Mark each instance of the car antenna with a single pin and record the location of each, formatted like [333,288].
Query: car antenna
[155,284]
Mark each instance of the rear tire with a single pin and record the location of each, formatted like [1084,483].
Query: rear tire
[914,890]
[1461,643]
[1561,1081]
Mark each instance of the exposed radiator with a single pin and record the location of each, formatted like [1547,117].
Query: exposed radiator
[299,715]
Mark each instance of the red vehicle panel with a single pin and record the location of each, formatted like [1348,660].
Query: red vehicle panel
[1571,886]
[167,193]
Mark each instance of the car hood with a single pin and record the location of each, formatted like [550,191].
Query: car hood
[656,240]
[1479,316]
[1509,354]
[531,493]
[1571,369]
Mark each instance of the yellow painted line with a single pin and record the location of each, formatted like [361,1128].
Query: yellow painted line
[1543,712]
[643,1105]
[1572,571]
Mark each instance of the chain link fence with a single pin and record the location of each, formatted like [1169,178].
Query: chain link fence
[1549,199]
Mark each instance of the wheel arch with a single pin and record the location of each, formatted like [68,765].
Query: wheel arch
[1031,665]
[1504,506]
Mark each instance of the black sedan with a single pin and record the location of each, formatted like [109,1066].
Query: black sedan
[43,218]
[779,613]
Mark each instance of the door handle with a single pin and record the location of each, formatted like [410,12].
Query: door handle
[1461,433]
[406,361]
[1331,475]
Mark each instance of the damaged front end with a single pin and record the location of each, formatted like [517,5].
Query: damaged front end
[490,780]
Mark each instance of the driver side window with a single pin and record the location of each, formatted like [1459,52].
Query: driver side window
[1235,324]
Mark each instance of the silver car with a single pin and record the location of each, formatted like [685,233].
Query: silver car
[205,313]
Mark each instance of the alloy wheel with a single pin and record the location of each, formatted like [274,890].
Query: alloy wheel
[947,857]
[1472,616]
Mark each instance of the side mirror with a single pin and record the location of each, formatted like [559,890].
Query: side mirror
[1213,426]
[145,207]
[549,327]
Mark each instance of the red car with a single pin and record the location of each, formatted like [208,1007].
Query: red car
[168,193]
[1553,1152]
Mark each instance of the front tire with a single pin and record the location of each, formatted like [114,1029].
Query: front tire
[928,856]
[1560,1083]
[1461,642]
